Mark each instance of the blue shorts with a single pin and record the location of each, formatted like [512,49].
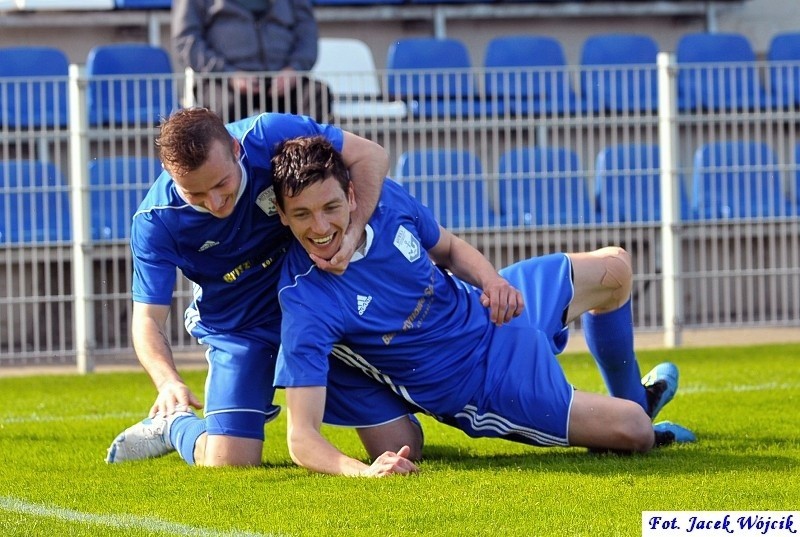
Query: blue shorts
[547,288]
[355,400]
[526,397]
[239,391]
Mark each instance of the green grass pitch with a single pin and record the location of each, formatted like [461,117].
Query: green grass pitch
[742,402]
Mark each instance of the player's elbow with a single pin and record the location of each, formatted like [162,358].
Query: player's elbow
[380,156]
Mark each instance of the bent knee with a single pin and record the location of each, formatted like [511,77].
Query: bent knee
[392,436]
[219,450]
[618,273]
[636,432]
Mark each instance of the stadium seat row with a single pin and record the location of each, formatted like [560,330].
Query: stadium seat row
[95,5]
[82,5]
[538,186]
[534,186]
[35,200]
[98,5]
[523,75]
[529,75]
[130,84]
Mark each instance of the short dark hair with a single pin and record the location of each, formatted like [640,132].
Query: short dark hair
[186,137]
[299,162]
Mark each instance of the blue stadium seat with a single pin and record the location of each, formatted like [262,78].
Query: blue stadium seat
[737,180]
[717,72]
[433,76]
[783,57]
[542,186]
[526,75]
[33,87]
[450,183]
[130,84]
[118,185]
[143,4]
[628,184]
[34,204]
[607,87]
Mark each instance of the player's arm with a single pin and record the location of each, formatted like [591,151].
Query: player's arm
[309,449]
[152,347]
[368,164]
[470,265]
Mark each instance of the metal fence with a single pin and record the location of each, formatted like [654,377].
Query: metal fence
[698,178]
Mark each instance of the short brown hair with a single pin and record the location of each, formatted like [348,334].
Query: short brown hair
[186,137]
[303,161]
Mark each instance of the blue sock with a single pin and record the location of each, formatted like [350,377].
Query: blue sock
[609,337]
[183,434]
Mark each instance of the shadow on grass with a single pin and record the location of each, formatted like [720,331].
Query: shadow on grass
[667,461]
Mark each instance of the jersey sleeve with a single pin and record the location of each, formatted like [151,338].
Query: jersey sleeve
[399,198]
[268,130]
[311,325]
[154,263]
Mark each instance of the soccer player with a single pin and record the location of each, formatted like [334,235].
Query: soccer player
[470,346]
[212,215]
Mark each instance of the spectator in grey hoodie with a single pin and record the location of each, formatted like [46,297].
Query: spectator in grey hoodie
[253,52]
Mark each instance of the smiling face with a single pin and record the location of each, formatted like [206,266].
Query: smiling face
[214,185]
[319,215]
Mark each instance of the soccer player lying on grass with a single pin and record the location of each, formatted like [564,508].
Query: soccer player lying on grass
[480,355]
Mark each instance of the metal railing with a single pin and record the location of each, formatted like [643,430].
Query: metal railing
[705,198]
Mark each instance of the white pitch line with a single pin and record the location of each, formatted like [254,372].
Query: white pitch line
[34,418]
[126,522]
[767,386]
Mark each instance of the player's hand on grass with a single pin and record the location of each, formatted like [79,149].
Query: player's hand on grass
[174,395]
[390,463]
[503,300]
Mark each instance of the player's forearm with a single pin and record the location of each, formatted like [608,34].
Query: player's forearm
[368,166]
[153,351]
[311,451]
[469,264]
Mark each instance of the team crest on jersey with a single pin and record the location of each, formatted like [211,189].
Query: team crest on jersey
[266,201]
[407,243]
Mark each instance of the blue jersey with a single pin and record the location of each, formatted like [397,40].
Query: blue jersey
[393,308]
[234,262]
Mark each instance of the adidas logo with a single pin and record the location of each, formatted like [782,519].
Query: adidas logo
[363,302]
[207,245]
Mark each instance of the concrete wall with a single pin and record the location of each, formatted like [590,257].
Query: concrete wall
[759,20]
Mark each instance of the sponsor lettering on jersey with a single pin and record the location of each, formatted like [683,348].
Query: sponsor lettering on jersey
[234,274]
[231,276]
[418,314]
